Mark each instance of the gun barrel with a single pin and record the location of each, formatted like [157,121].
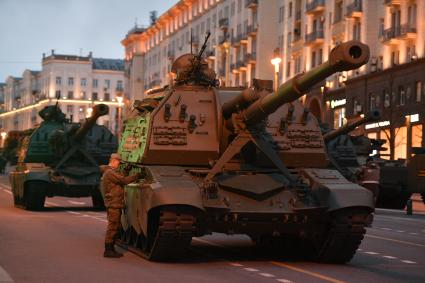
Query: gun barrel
[346,56]
[98,110]
[373,116]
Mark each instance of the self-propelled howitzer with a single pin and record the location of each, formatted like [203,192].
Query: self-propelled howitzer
[240,161]
[61,158]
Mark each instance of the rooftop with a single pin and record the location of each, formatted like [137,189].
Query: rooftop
[108,64]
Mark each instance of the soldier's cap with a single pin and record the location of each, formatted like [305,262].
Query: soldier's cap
[115,156]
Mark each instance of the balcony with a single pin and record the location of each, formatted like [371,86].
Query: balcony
[354,10]
[251,58]
[408,31]
[252,4]
[222,39]
[210,54]
[297,46]
[241,64]
[244,38]
[298,16]
[223,23]
[170,54]
[315,37]
[392,2]
[233,68]
[315,6]
[252,30]
[395,34]
[236,40]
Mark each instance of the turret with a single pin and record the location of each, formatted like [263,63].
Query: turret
[98,110]
[374,115]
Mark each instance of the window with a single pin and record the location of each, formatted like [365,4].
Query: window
[387,99]
[70,108]
[418,91]
[58,93]
[58,80]
[83,95]
[83,82]
[95,83]
[107,83]
[400,143]
[371,101]
[239,6]
[290,10]
[395,58]
[338,12]
[356,31]
[232,8]
[107,96]
[70,81]
[339,117]
[320,56]
[119,85]
[401,95]
[417,136]
[94,96]
[70,94]
[288,69]
[281,13]
[313,59]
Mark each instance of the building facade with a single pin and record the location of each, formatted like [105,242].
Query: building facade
[247,34]
[79,83]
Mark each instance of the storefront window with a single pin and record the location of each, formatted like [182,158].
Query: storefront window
[339,117]
[417,136]
[387,99]
[385,135]
[400,143]
[373,136]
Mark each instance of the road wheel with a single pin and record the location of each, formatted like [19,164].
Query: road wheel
[343,237]
[395,202]
[97,200]
[34,196]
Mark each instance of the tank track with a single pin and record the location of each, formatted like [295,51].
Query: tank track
[423,197]
[167,239]
[342,240]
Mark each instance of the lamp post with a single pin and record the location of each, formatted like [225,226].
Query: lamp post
[119,99]
[276,63]
[3,138]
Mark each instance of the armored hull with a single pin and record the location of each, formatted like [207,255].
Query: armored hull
[61,159]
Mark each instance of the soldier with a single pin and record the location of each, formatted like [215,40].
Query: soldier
[113,183]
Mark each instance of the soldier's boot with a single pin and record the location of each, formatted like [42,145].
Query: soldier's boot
[111,252]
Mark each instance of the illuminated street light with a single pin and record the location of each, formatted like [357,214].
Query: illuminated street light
[89,112]
[3,138]
[276,63]
[119,99]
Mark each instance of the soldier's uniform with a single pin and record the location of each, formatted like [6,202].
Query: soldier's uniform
[113,183]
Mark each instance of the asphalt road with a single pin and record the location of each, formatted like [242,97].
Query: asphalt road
[64,243]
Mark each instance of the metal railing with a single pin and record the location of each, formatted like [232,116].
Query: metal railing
[356,6]
[312,5]
[310,37]
[391,32]
[407,28]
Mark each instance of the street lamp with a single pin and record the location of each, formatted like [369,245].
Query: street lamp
[89,112]
[3,138]
[119,99]
[276,63]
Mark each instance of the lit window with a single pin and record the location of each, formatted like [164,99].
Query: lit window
[418,91]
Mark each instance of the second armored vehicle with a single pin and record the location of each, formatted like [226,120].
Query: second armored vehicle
[60,158]
[239,161]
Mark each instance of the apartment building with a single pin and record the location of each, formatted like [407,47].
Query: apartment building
[392,83]
[242,32]
[246,35]
[79,81]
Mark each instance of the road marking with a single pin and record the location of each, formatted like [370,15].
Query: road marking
[268,275]
[4,276]
[314,274]
[371,253]
[76,202]
[388,229]
[414,233]
[284,280]
[400,231]
[236,264]
[52,203]
[396,241]
[389,256]
[73,212]
[7,191]
[251,269]
[408,261]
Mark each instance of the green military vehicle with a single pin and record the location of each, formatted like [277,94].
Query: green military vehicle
[239,161]
[59,158]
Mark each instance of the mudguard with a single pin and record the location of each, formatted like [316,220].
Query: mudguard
[166,185]
[331,189]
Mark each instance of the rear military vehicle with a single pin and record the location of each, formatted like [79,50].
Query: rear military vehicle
[59,158]
[239,161]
